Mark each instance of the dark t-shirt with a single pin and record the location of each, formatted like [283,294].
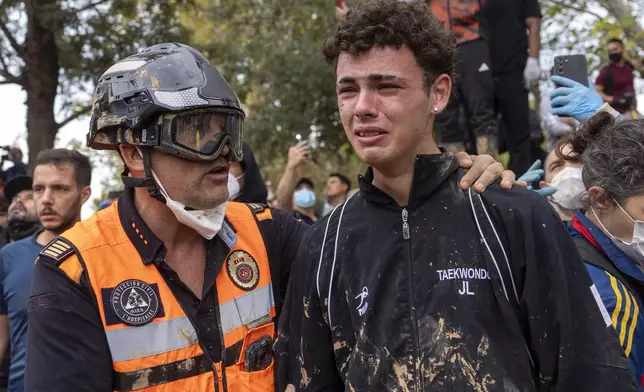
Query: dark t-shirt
[503,23]
[16,268]
[304,218]
[623,81]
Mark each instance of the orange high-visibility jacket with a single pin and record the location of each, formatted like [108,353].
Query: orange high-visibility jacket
[156,347]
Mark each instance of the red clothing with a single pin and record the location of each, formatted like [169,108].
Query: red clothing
[458,16]
[581,229]
[623,81]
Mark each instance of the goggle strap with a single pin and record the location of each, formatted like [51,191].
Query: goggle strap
[147,181]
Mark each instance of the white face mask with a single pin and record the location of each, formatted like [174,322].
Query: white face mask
[571,193]
[205,222]
[633,249]
[234,189]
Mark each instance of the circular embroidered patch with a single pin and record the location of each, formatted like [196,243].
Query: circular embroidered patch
[242,270]
[135,302]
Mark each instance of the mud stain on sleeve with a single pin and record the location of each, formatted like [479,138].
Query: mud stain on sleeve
[402,375]
[305,380]
[449,357]
[338,345]
[483,346]
[468,371]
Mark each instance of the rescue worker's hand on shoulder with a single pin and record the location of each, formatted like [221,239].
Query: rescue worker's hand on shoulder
[483,170]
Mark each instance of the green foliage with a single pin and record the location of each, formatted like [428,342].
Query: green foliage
[90,35]
[271,53]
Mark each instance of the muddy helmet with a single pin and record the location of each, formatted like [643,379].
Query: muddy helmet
[167,97]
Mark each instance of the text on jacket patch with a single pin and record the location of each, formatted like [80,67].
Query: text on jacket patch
[465,274]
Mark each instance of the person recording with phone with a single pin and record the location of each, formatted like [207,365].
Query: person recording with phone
[294,193]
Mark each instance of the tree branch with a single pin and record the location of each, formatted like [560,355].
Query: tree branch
[79,113]
[572,7]
[91,5]
[621,11]
[12,41]
[8,76]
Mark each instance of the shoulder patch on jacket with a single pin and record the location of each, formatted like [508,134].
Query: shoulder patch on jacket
[58,249]
[261,211]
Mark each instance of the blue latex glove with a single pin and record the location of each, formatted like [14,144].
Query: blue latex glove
[547,191]
[533,174]
[572,99]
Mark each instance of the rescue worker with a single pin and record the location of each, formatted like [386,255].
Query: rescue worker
[171,288]
[609,233]
[415,285]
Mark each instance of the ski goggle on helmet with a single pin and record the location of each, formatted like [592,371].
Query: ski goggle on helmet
[202,134]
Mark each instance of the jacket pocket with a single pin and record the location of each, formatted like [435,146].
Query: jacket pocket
[257,381]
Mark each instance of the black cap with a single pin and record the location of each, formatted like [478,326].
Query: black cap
[304,181]
[17,185]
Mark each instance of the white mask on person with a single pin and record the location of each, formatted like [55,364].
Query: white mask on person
[234,189]
[571,193]
[205,222]
[633,249]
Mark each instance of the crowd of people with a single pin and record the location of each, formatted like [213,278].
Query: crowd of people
[438,271]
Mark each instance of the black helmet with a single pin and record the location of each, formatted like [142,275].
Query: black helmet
[167,97]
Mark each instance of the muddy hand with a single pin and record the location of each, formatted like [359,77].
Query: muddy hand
[483,171]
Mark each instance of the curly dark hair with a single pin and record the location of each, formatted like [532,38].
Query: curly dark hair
[394,23]
[612,154]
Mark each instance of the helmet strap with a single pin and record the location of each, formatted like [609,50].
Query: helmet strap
[147,181]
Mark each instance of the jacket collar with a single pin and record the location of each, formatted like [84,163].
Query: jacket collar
[149,246]
[430,171]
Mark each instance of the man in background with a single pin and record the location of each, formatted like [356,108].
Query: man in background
[615,82]
[60,187]
[474,85]
[336,191]
[4,210]
[19,168]
[515,66]
[22,219]
[305,201]
[21,215]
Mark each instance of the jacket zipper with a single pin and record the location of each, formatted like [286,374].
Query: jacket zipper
[414,325]
[224,382]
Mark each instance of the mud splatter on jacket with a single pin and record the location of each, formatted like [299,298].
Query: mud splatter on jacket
[401,299]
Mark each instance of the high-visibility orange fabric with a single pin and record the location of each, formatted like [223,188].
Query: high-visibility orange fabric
[110,259]
[459,16]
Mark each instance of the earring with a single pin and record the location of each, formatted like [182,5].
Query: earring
[435,109]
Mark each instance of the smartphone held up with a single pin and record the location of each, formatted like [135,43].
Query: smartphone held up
[573,67]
